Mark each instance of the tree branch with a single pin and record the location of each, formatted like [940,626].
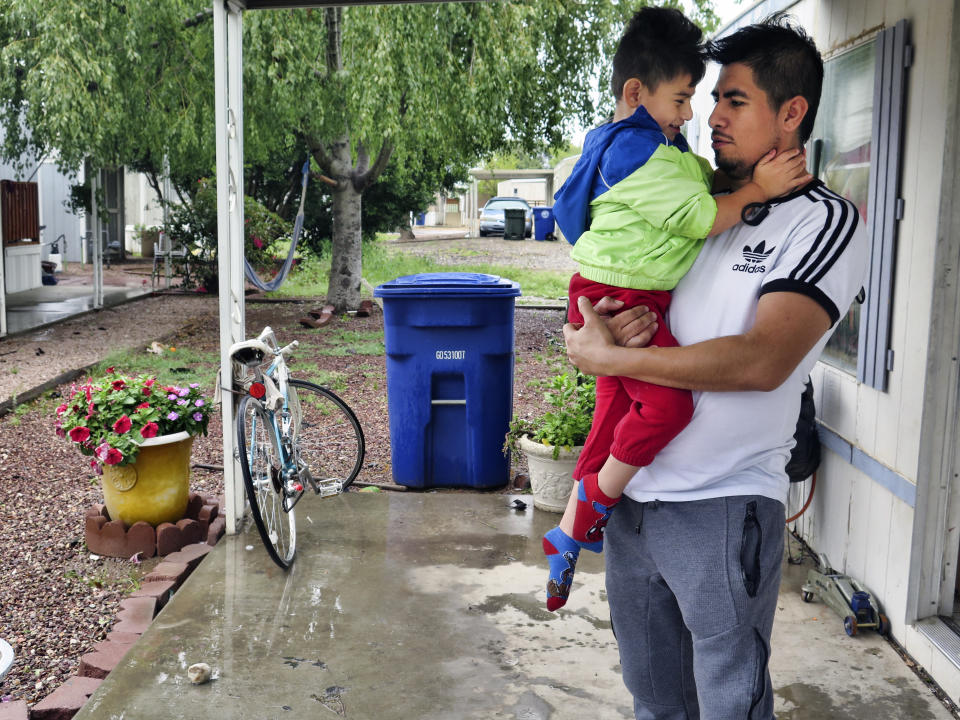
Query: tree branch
[319,153]
[368,178]
[332,17]
[199,18]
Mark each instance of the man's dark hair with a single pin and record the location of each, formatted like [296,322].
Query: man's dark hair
[658,45]
[784,60]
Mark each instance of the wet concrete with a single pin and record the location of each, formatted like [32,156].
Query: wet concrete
[48,304]
[428,606]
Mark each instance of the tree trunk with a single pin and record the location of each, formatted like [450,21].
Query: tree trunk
[346,264]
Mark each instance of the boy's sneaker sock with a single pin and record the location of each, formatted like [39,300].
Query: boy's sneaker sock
[562,552]
[593,511]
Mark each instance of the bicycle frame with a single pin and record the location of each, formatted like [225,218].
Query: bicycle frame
[283,408]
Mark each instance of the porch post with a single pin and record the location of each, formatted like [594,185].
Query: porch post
[96,246]
[228,86]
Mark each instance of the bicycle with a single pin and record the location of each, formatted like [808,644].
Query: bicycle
[291,434]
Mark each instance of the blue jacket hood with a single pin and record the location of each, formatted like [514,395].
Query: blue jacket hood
[637,137]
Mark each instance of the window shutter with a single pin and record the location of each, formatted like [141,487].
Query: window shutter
[885,206]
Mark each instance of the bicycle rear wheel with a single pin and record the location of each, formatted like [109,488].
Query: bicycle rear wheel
[328,441]
[260,463]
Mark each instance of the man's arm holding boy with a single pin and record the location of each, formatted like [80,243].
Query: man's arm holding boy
[787,327]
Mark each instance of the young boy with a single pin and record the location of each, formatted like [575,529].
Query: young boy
[638,208]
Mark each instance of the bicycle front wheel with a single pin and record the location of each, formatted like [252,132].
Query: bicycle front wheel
[260,463]
[328,440]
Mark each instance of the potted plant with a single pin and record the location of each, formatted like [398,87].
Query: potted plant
[139,434]
[553,440]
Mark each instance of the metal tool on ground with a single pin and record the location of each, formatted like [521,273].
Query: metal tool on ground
[846,596]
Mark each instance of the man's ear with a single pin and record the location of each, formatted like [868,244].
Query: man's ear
[792,113]
[632,92]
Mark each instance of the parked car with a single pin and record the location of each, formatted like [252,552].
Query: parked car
[491,216]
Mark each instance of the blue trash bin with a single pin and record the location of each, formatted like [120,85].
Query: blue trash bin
[449,345]
[544,225]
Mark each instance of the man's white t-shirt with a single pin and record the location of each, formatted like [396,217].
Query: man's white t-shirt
[812,242]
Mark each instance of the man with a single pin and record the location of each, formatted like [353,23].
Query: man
[693,551]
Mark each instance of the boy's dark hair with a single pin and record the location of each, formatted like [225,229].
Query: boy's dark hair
[784,60]
[658,45]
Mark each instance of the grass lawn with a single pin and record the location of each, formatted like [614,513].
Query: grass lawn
[382,263]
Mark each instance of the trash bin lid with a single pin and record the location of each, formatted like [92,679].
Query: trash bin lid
[448,284]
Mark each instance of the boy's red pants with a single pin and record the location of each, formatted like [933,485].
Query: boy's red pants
[633,420]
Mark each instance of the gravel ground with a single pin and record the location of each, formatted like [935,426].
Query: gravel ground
[56,599]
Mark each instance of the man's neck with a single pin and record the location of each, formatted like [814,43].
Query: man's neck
[736,182]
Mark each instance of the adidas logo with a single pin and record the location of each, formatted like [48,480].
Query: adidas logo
[753,257]
[758,254]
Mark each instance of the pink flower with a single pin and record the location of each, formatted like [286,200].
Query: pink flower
[150,383]
[122,425]
[199,403]
[149,430]
[197,416]
[257,243]
[61,410]
[113,457]
[96,467]
[79,434]
[172,416]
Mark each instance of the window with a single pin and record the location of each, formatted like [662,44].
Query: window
[856,150]
[841,155]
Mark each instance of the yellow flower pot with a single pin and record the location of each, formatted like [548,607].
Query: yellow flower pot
[156,487]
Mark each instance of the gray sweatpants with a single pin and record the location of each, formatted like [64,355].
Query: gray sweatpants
[692,588]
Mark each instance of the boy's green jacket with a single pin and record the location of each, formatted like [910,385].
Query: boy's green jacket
[646,205]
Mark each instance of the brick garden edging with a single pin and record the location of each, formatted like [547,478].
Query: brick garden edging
[202,522]
[138,609]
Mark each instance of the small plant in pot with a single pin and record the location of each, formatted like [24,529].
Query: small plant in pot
[552,441]
[138,433]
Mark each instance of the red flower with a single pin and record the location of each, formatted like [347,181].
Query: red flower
[113,456]
[257,242]
[79,434]
[61,410]
[143,406]
[150,382]
[122,425]
[109,369]
[149,430]
[118,384]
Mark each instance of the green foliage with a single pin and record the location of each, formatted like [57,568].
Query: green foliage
[194,227]
[571,396]
[427,88]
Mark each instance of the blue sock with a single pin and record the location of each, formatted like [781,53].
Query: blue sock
[562,552]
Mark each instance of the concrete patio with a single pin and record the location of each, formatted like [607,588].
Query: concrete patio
[428,606]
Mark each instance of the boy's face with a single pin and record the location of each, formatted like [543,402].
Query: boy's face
[744,126]
[669,104]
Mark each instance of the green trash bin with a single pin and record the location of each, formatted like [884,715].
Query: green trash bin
[514,223]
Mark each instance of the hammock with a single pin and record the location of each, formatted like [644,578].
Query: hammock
[277,281]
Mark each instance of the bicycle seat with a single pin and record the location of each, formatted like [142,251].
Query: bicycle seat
[250,352]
